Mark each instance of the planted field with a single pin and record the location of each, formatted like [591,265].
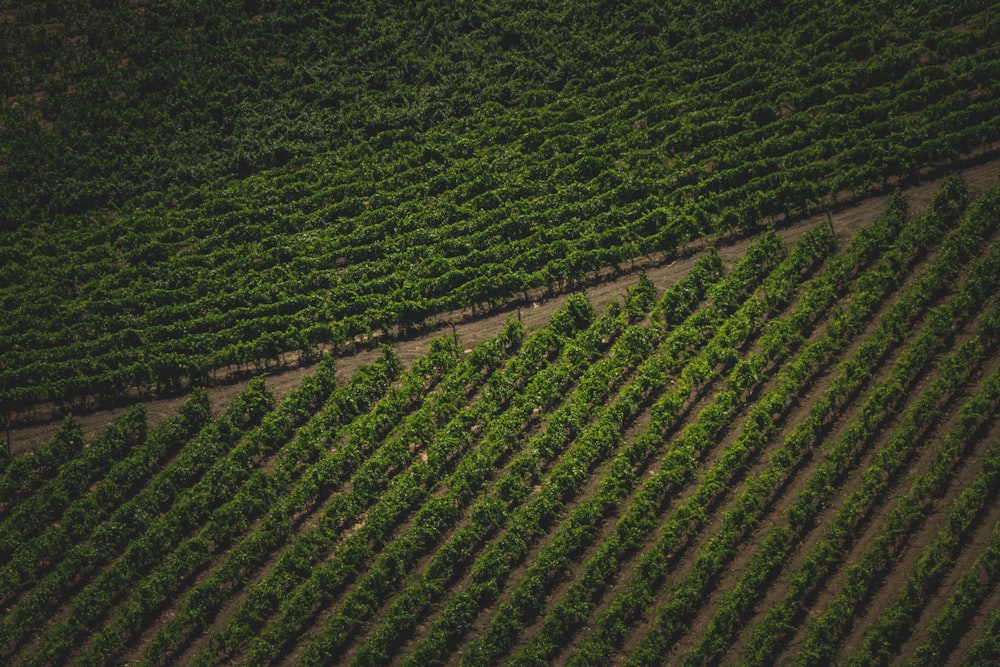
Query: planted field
[190,191]
[622,333]
[791,457]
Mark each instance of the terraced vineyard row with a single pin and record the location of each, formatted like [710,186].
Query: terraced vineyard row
[793,458]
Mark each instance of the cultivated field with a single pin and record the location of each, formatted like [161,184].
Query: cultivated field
[195,191]
[532,333]
[791,457]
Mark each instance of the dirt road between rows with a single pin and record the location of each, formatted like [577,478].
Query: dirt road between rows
[604,288]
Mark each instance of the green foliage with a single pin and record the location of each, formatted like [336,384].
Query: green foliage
[533,498]
[193,192]
[640,297]
[200,190]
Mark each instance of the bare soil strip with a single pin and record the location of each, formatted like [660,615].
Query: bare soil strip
[979,177]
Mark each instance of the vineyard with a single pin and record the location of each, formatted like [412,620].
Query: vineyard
[777,443]
[788,458]
[194,191]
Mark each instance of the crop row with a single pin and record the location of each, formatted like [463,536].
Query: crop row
[514,483]
[759,424]
[387,231]
[934,561]
[273,497]
[884,396]
[573,493]
[499,433]
[966,597]
[379,474]
[862,576]
[799,263]
[778,341]
[938,328]
[556,476]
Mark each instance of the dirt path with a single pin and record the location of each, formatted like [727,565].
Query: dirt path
[980,177]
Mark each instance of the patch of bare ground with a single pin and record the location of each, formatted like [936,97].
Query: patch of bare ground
[980,176]
[872,525]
